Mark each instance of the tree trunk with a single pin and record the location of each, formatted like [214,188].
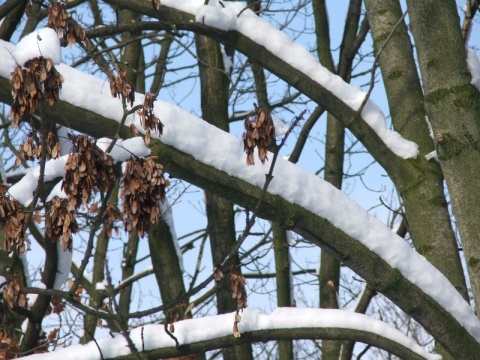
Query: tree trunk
[452,106]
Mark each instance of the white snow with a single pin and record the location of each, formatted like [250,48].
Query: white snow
[100,286]
[195,330]
[473,63]
[55,168]
[26,271]
[43,42]
[252,26]
[227,61]
[182,131]
[194,136]
[63,268]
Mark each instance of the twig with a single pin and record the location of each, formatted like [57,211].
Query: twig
[96,343]
[124,330]
[375,62]
[268,180]
[177,344]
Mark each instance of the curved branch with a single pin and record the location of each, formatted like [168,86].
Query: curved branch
[215,332]
[271,61]
[393,274]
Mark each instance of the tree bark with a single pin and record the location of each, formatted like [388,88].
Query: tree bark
[452,107]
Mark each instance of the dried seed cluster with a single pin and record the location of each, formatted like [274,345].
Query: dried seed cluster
[60,223]
[86,167]
[59,20]
[110,215]
[217,274]
[32,147]
[38,79]
[239,293]
[148,119]
[122,88]
[12,219]
[259,132]
[143,186]
[14,295]
[8,347]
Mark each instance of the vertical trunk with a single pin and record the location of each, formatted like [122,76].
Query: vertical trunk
[448,95]
[220,216]
[132,55]
[165,262]
[405,97]
[128,268]
[283,281]
[96,297]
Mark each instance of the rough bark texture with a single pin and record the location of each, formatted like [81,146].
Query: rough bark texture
[408,115]
[452,106]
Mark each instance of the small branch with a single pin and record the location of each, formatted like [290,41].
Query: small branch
[121,323]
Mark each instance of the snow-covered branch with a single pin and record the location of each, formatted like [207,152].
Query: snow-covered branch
[214,332]
[189,148]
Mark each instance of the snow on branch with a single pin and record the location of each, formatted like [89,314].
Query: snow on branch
[216,331]
[191,135]
[225,17]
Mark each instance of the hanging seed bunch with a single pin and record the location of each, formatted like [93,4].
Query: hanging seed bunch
[143,186]
[217,274]
[8,347]
[66,27]
[31,149]
[122,88]
[239,291]
[86,167]
[148,119]
[111,214]
[12,219]
[14,295]
[259,132]
[39,79]
[60,223]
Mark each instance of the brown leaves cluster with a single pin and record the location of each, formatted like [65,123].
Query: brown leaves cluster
[86,167]
[8,347]
[143,186]
[56,306]
[32,147]
[217,274]
[60,223]
[39,79]
[239,293]
[148,119]
[122,88]
[259,132]
[110,215]
[59,20]
[14,295]
[12,219]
